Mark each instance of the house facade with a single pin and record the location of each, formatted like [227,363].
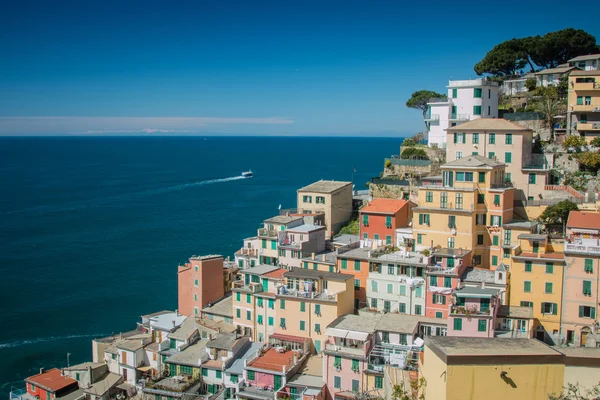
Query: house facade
[199,282]
[381,217]
[332,198]
[583,111]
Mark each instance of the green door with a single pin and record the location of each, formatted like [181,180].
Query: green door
[536,247]
[318,346]
[277,382]
[453,112]
[265,284]
[247,279]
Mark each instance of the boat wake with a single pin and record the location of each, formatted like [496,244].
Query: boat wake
[194,184]
[19,343]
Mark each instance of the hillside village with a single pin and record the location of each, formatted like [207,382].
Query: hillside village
[451,277]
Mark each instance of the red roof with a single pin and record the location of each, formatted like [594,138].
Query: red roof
[277,274]
[584,220]
[51,380]
[384,206]
[272,360]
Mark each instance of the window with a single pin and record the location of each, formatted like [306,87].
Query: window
[238,313]
[344,264]
[234,378]
[307,199]
[454,93]
[496,220]
[587,312]
[506,253]
[357,265]
[479,240]
[264,243]
[492,138]
[589,266]
[365,235]
[386,306]
[378,382]
[588,100]
[549,308]
[587,288]
[272,304]
[492,155]
[259,319]
[459,201]
[196,282]
[494,260]
[508,177]
[508,157]
[532,179]
[391,269]
[424,219]
[528,266]
[385,337]
[508,138]
[302,325]
[374,286]
[388,222]
[458,324]
[204,372]
[195,297]
[480,198]
[402,308]
[460,138]
[282,304]
[527,286]
[219,374]
[271,321]
[447,282]
[450,242]
[482,325]
[365,220]
[495,240]
[429,197]
[481,219]
[355,385]
[444,200]
[419,238]
[452,221]
[476,138]
[549,268]
[248,315]
[318,328]
[355,365]
[527,304]
[388,241]
[458,155]
[476,110]
[496,199]
[302,306]
[439,299]
[320,200]
[251,375]
[433,280]
[477,93]
[318,309]
[356,284]
[548,287]
[337,382]
[248,299]
[282,322]
[418,309]
[481,178]
[439,314]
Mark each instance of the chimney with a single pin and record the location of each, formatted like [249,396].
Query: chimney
[312,256]
[323,257]
[173,323]
[42,370]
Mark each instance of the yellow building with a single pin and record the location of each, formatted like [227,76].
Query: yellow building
[465,368]
[583,111]
[311,300]
[536,281]
[332,198]
[467,211]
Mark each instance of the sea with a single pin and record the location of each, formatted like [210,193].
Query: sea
[92,229]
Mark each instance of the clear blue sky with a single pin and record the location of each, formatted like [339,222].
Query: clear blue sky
[247,67]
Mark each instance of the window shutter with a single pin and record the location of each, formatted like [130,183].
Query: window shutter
[455,137]
[593,312]
[443,299]
[420,219]
[580,311]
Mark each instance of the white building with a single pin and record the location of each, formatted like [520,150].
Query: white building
[396,284]
[551,76]
[586,63]
[516,86]
[467,100]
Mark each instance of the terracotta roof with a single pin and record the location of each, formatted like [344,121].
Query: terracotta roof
[274,361]
[213,364]
[384,206]
[489,124]
[277,274]
[583,219]
[51,380]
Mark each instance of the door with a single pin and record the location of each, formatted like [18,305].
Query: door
[277,382]
[536,247]
[123,357]
[584,335]
[539,335]
[318,346]
[265,285]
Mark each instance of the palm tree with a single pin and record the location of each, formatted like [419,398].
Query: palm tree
[551,108]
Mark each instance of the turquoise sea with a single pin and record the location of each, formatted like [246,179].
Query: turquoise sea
[92,229]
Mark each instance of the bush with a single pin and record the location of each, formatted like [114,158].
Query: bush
[531,84]
[558,213]
[574,141]
[425,252]
[596,142]
[414,152]
[388,163]
[589,161]
[408,142]
[350,229]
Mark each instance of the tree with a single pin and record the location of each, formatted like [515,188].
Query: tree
[574,141]
[416,391]
[408,142]
[555,48]
[530,84]
[505,59]
[351,229]
[420,99]
[589,161]
[574,392]
[550,108]
[596,141]
[414,152]
[558,213]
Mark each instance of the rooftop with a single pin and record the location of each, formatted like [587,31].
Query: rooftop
[451,252]
[223,341]
[51,380]
[384,206]
[85,366]
[306,228]
[312,274]
[260,269]
[330,257]
[584,220]
[325,186]
[312,367]
[561,69]
[222,307]
[473,161]
[345,239]
[400,257]
[190,356]
[133,343]
[404,323]
[515,312]
[107,381]
[520,225]
[352,322]
[579,352]
[305,380]
[475,292]
[473,274]
[589,57]
[167,322]
[272,360]
[492,124]
[282,219]
[185,330]
[277,274]
[237,366]
[474,346]
[359,252]
[206,257]
[585,73]
[532,236]
[218,326]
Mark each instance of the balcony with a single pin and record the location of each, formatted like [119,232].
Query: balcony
[581,249]
[594,106]
[588,126]
[354,350]
[263,232]
[248,252]
[252,287]
[432,117]
[582,86]
[441,270]
[535,167]
[284,291]
[447,206]
[469,311]
[458,117]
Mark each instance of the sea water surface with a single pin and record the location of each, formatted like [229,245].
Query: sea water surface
[92,229]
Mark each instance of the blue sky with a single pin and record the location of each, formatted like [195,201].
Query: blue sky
[286,67]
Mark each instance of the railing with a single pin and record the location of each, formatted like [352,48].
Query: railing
[586,85]
[358,351]
[588,126]
[18,394]
[441,270]
[267,232]
[248,252]
[462,310]
[307,295]
[448,206]
[459,117]
[583,249]
[537,166]
[432,117]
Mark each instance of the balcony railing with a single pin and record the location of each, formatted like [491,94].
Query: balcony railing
[586,86]
[358,351]
[463,310]
[267,232]
[588,126]
[459,117]
[582,249]
[432,117]
[307,295]
[442,270]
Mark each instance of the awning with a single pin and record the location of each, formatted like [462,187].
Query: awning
[144,368]
[340,333]
[288,338]
[357,335]
[473,295]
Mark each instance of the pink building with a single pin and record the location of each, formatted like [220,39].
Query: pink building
[580,297]
[199,282]
[442,278]
[298,241]
[473,312]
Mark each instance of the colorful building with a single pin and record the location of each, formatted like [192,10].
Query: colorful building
[309,301]
[381,217]
[581,285]
[473,312]
[536,279]
[332,198]
[467,211]
[50,385]
[199,282]
[468,368]
[515,322]
[583,116]
[356,261]
[506,142]
[442,278]
[295,242]
[271,234]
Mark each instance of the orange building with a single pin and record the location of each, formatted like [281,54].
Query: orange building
[380,219]
[49,385]
[199,282]
[355,261]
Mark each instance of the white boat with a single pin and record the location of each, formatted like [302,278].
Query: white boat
[247,174]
